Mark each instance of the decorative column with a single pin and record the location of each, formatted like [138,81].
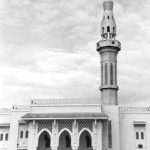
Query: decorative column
[94,139]
[99,135]
[32,140]
[74,140]
[54,138]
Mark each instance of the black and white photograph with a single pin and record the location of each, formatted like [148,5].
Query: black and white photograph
[74,74]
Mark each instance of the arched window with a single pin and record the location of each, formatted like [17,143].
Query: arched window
[26,134]
[108,28]
[103,30]
[68,141]
[21,134]
[88,141]
[1,137]
[108,17]
[111,74]
[137,135]
[114,30]
[106,74]
[6,137]
[142,135]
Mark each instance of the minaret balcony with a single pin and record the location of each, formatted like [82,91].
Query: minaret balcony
[109,45]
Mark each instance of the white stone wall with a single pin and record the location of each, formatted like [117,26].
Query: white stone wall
[113,116]
[128,117]
[23,142]
[16,113]
[4,142]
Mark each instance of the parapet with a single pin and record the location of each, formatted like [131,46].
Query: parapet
[108,43]
[64,101]
[20,108]
[135,109]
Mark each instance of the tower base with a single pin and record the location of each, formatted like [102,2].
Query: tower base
[109,97]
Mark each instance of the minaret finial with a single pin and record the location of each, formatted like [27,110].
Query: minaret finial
[108,25]
[108,4]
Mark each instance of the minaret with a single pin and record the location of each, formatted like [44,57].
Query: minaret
[108,49]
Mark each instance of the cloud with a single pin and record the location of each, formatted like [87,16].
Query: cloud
[47,50]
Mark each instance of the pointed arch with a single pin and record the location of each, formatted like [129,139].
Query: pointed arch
[44,140]
[85,129]
[85,139]
[65,137]
[63,130]
[44,130]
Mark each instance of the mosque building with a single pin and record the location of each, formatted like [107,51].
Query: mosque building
[81,124]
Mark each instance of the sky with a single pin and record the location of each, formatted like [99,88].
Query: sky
[48,50]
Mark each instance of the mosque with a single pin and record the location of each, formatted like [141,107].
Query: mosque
[80,124]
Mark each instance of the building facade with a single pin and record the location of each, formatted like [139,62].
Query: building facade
[81,124]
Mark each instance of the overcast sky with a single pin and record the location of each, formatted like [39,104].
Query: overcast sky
[47,50]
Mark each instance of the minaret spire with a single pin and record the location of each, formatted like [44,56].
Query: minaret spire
[108,25]
[108,49]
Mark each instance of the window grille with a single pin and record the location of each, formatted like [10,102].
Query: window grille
[45,125]
[85,124]
[65,124]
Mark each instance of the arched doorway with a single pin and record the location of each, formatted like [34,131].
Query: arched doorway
[64,141]
[85,141]
[44,141]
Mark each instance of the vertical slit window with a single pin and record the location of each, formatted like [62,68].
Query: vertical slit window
[1,137]
[142,135]
[6,137]
[101,74]
[115,74]
[111,74]
[114,30]
[103,29]
[26,134]
[137,135]
[109,134]
[21,134]
[106,74]
[108,29]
